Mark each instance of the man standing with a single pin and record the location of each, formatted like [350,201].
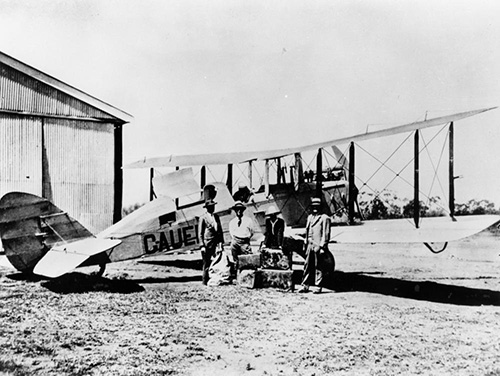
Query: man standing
[275,227]
[241,229]
[316,244]
[210,236]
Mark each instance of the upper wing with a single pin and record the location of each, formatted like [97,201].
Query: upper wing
[238,157]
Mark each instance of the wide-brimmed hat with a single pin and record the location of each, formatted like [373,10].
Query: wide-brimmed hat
[272,210]
[316,201]
[209,203]
[238,205]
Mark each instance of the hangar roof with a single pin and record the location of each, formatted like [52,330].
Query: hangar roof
[65,88]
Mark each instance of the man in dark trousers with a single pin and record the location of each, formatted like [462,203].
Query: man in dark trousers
[319,260]
[210,236]
[275,227]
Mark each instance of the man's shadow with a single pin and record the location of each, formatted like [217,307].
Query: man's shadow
[418,290]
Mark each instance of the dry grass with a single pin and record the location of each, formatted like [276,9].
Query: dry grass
[139,320]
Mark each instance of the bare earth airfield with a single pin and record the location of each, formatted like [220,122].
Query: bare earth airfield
[395,310]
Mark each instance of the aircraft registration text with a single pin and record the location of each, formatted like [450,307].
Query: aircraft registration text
[183,236]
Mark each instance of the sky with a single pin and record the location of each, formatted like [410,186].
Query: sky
[222,76]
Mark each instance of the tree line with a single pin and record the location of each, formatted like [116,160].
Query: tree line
[389,206]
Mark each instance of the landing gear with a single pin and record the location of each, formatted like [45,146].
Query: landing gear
[102,269]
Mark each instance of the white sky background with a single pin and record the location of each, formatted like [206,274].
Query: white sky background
[214,76]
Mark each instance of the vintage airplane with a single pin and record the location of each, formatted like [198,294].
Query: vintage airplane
[40,238]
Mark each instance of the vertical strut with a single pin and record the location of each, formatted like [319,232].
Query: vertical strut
[352,174]
[203,178]
[177,199]
[266,178]
[299,172]
[451,172]
[278,168]
[416,188]
[229,181]
[151,188]
[250,174]
[319,174]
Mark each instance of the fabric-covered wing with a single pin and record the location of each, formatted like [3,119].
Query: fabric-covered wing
[238,157]
[432,230]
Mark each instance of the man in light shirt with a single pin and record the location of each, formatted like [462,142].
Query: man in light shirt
[210,236]
[241,229]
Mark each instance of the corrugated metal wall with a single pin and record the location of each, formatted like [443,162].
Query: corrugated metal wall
[21,92]
[68,161]
[80,161]
[20,154]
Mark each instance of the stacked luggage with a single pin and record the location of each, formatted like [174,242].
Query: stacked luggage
[268,268]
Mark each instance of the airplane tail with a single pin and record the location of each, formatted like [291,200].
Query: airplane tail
[30,226]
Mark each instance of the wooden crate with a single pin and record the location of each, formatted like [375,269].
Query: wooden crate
[252,261]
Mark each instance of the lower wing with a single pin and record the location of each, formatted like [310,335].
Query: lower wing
[431,230]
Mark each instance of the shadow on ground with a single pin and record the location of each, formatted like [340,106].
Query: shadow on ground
[171,279]
[80,283]
[418,290]
[195,264]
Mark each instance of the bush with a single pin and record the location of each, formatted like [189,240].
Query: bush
[129,209]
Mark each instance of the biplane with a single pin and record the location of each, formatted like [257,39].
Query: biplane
[40,238]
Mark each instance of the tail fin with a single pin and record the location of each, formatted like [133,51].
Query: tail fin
[30,226]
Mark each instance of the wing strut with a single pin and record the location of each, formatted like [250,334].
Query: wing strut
[250,175]
[319,174]
[266,178]
[203,178]
[299,172]
[152,194]
[229,181]
[416,202]
[451,172]
[352,175]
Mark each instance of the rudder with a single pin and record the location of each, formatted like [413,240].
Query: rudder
[30,225]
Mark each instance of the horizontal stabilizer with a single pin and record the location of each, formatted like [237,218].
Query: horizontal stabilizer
[29,225]
[63,258]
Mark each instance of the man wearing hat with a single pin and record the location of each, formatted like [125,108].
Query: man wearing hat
[316,245]
[210,236]
[241,229]
[275,227]
[243,193]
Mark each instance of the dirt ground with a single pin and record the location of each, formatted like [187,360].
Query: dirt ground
[394,310]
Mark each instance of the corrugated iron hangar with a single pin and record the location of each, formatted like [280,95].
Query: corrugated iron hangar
[60,143]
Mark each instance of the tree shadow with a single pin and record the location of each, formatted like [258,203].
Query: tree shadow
[77,283]
[418,290]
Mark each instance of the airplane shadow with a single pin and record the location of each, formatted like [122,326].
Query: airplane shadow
[418,290]
[183,264]
[172,279]
[76,283]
